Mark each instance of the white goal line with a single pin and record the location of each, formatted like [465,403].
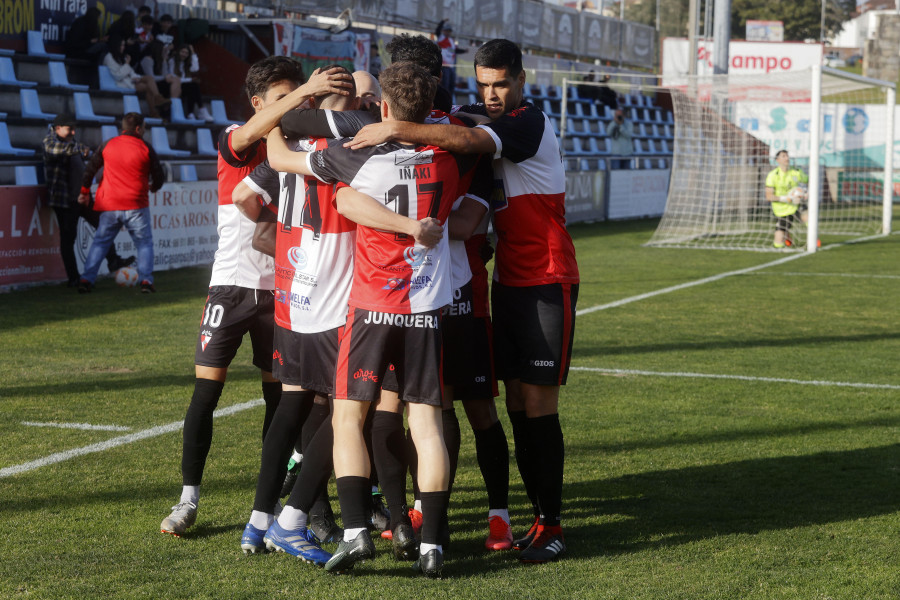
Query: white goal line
[119,441]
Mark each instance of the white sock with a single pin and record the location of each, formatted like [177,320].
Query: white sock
[499,512]
[292,518]
[190,493]
[350,534]
[296,457]
[417,505]
[261,520]
[426,548]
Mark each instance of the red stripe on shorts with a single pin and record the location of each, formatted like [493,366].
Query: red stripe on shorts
[340,373]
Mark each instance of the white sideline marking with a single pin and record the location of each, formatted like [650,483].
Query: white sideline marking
[875,386]
[85,426]
[689,284]
[119,441]
[854,275]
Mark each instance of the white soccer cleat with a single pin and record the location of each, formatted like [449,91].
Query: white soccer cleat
[182,517]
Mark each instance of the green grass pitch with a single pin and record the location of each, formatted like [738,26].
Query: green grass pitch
[778,478]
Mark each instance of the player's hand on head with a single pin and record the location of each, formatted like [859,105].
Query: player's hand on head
[430,232]
[332,81]
[372,135]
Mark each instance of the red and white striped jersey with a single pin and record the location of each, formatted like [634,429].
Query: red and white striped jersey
[533,245]
[391,273]
[237,263]
[314,247]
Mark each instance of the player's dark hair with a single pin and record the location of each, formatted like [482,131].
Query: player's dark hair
[409,91]
[269,71]
[500,54]
[780,152]
[131,121]
[416,49]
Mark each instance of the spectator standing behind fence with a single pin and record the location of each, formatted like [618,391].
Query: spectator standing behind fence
[131,170]
[621,132]
[84,40]
[601,94]
[119,65]
[184,67]
[63,171]
[449,51]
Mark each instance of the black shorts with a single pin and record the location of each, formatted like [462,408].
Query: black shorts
[230,312]
[534,327]
[468,356]
[784,223]
[373,341]
[306,359]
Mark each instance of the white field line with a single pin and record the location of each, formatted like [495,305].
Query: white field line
[847,384]
[85,426]
[690,284]
[119,441]
[853,275]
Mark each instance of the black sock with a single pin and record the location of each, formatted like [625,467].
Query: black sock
[492,450]
[310,493]
[523,458]
[271,394]
[389,450]
[434,515]
[452,437]
[277,446]
[198,429]
[354,494]
[547,432]
[317,415]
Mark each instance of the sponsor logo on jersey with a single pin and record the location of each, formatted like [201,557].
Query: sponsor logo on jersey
[293,299]
[421,321]
[416,283]
[458,308]
[204,340]
[366,375]
[297,257]
[396,284]
[419,158]
[542,363]
[415,256]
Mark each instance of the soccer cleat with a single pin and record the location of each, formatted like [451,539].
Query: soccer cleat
[430,564]
[525,541]
[252,541]
[147,287]
[324,528]
[301,543]
[381,516]
[350,553]
[415,517]
[182,516]
[547,545]
[500,537]
[404,543]
[84,286]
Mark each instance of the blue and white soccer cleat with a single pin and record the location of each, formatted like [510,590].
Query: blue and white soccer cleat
[301,543]
[252,541]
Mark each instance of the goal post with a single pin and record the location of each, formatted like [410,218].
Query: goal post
[727,132]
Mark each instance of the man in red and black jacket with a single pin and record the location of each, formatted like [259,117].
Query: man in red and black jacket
[131,169]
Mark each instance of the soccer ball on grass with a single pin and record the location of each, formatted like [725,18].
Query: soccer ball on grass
[127,277]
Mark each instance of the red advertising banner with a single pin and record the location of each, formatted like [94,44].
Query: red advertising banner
[29,237]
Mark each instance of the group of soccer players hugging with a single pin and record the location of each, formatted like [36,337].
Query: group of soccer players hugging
[354,211]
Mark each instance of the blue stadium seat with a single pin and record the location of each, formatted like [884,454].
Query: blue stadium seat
[131,103]
[84,110]
[205,145]
[177,114]
[26,175]
[187,173]
[8,74]
[30,105]
[59,78]
[107,83]
[159,139]
[36,46]
[7,52]
[6,146]
[108,132]
[217,108]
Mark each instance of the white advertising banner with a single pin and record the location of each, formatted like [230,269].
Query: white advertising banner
[637,193]
[744,58]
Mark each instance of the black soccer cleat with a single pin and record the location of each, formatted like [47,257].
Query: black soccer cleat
[404,543]
[431,564]
[545,547]
[380,518]
[325,528]
[525,541]
[349,553]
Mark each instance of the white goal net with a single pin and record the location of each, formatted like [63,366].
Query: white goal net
[728,132]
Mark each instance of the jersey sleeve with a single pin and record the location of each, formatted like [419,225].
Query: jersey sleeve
[770,179]
[482,185]
[235,159]
[264,181]
[518,134]
[338,164]
[324,123]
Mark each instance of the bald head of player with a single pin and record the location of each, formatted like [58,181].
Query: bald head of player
[500,77]
[408,92]
[367,89]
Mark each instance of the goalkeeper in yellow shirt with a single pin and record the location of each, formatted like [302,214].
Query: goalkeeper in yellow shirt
[779,183]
